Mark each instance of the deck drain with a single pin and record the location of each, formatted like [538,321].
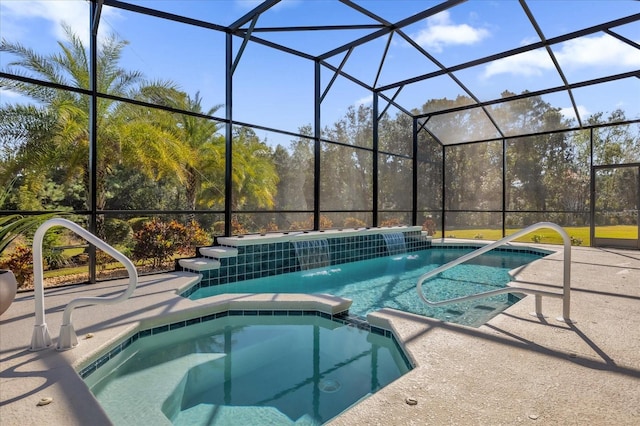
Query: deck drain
[329,385]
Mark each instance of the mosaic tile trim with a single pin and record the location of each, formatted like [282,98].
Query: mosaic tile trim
[342,318]
[523,250]
[262,260]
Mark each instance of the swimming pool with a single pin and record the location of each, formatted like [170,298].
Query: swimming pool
[247,370]
[390,282]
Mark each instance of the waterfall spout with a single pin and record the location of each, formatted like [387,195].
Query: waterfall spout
[395,243]
[312,253]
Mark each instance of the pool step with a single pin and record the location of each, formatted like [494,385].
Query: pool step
[218,252]
[210,258]
[199,264]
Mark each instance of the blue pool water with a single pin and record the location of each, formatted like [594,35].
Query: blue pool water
[391,282]
[246,370]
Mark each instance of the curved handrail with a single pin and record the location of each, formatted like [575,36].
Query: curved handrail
[566,288]
[68,339]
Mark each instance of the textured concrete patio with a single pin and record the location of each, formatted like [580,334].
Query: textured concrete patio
[515,369]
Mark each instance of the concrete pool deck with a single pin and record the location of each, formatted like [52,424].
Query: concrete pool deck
[514,369]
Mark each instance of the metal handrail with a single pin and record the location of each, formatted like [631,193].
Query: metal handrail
[68,339]
[566,287]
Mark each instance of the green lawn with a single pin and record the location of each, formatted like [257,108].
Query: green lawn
[547,236]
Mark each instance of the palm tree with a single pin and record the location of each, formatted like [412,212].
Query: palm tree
[205,163]
[57,125]
[255,177]
[53,133]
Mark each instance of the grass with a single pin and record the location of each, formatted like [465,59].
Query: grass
[628,231]
[546,236]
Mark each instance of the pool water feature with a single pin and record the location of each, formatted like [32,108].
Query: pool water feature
[395,243]
[247,370]
[312,254]
[390,282]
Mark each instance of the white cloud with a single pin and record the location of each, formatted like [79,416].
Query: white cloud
[74,13]
[364,101]
[252,4]
[602,51]
[441,31]
[527,64]
[570,113]
[599,51]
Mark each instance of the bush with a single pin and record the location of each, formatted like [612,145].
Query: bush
[137,223]
[218,227]
[325,223]
[352,222]
[236,227]
[270,227]
[158,241]
[196,236]
[103,260]
[429,226]
[54,257]
[20,262]
[391,222]
[117,232]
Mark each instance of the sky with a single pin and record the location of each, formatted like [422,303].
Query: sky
[275,89]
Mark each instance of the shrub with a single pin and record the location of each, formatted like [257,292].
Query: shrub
[137,223]
[536,238]
[117,232]
[299,226]
[103,259]
[195,236]
[429,226]
[391,222]
[352,222]
[271,227]
[158,241]
[54,258]
[20,262]
[325,223]
[236,227]
[218,227]
[576,241]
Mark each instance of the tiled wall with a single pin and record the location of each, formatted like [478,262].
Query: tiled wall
[261,260]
